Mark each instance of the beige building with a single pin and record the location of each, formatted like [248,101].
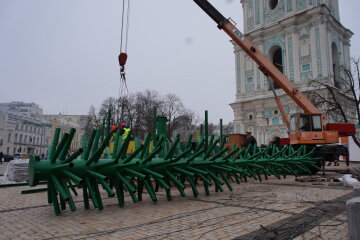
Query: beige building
[65,123]
[305,39]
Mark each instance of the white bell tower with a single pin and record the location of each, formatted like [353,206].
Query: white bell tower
[305,39]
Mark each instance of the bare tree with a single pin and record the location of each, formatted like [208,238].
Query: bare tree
[93,122]
[109,104]
[121,110]
[136,110]
[144,103]
[340,103]
[178,116]
[172,108]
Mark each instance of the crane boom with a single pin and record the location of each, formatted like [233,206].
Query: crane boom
[304,128]
[265,65]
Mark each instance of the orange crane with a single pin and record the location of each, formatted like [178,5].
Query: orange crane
[308,127]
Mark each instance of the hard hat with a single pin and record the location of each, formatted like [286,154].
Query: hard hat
[123,125]
[113,128]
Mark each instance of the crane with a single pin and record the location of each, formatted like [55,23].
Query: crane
[307,128]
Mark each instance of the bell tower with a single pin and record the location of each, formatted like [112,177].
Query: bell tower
[304,39]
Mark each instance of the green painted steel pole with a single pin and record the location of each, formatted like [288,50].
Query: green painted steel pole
[221,131]
[206,130]
[108,127]
[102,131]
[54,142]
[67,146]
[154,122]
[161,126]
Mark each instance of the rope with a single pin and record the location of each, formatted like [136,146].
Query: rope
[123,90]
[127,25]
[122,24]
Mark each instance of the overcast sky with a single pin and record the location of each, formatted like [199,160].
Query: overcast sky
[62,54]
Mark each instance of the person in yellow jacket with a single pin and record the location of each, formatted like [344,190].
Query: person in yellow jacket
[114,130]
[124,131]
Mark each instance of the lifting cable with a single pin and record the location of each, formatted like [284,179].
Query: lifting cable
[124,42]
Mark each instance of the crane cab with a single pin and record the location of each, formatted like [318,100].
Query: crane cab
[310,129]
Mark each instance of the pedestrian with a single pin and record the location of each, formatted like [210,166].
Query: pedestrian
[250,139]
[1,157]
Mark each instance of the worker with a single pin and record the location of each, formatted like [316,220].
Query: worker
[276,141]
[124,131]
[250,139]
[114,130]
[305,125]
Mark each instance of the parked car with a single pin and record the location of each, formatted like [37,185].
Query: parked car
[17,155]
[8,158]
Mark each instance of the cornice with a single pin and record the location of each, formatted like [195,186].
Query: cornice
[264,95]
[312,17]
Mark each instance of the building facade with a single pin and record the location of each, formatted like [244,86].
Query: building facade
[22,134]
[24,129]
[28,109]
[305,40]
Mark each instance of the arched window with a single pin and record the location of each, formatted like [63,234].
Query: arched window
[277,59]
[336,65]
[273,4]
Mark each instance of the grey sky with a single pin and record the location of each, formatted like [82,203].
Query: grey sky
[63,54]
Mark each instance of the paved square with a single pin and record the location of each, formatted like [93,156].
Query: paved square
[277,209]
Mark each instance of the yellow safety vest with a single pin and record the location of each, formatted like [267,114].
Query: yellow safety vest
[113,136]
[126,133]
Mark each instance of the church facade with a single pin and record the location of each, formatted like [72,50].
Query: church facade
[304,39]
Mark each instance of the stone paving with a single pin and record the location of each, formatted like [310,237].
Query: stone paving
[333,229]
[249,208]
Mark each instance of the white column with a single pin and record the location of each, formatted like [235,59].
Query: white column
[296,58]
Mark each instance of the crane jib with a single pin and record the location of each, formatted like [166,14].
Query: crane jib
[238,34]
[211,11]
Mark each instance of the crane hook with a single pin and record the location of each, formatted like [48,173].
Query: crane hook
[122,62]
